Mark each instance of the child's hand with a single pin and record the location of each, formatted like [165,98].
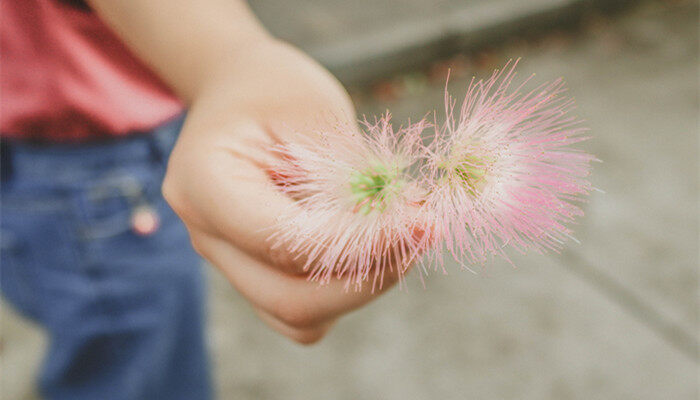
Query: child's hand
[242,86]
[218,185]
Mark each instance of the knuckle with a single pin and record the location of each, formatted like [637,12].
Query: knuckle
[284,260]
[171,193]
[307,337]
[197,244]
[176,196]
[297,315]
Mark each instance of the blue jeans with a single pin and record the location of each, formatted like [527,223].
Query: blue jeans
[124,312]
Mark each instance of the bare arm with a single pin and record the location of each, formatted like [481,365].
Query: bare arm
[188,43]
[240,83]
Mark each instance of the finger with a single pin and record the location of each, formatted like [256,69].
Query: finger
[300,335]
[291,299]
[237,200]
[232,197]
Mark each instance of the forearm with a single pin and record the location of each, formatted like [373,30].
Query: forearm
[190,46]
[221,61]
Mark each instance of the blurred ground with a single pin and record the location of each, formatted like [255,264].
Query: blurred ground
[615,317]
[361,39]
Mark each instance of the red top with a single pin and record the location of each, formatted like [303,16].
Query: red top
[64,76]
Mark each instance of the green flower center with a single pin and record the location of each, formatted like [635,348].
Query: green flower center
[373,188]
[471,171]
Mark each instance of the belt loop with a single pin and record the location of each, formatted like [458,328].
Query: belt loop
[162,139]
[155,147]
[5,160]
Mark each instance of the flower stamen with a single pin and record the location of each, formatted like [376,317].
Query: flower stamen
[373,187]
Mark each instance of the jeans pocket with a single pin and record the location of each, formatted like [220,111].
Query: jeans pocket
[108,206]
[114,234]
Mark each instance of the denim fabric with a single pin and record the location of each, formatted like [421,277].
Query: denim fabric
[124,313]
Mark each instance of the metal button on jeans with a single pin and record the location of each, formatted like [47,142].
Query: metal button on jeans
[144,220]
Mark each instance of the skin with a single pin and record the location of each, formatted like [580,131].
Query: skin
[243,88]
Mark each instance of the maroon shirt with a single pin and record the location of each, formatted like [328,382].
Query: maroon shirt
[64,76]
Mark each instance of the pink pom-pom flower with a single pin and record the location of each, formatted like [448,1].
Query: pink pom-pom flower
[501,171]
[355,214]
